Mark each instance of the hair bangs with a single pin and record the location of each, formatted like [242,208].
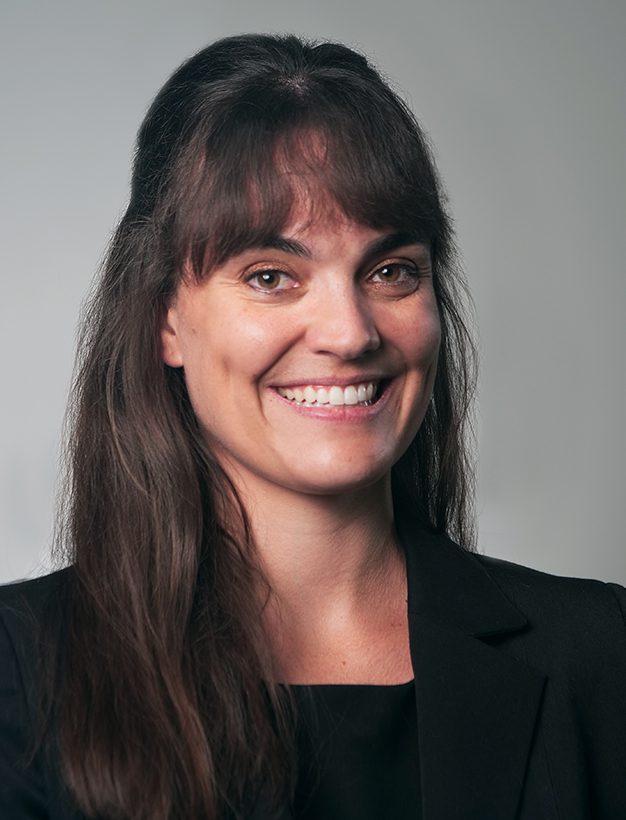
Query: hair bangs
[291,148]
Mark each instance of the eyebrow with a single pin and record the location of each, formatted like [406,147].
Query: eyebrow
[391,242]
[281,243]
[379,246]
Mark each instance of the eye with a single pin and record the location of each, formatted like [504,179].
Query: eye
[270,280]
[399,276]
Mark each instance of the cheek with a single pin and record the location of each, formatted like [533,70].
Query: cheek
[429,338]
[418,337]
[231,353]
[250,345]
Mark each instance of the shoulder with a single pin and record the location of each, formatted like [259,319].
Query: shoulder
[574,621]
[25,604]
[540,593]
[29,611]
[576,637]
[32,592]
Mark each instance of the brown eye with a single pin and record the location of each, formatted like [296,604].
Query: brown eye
[390,273]
[270,280]
[401,275]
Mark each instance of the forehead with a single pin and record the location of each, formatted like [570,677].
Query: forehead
[311,216]
[315,227]
[316,212]
[316,218]
[291,199]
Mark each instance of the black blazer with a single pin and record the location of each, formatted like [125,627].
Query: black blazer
[520,680]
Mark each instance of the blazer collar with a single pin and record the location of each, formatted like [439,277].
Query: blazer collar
[477,705]
[448,586]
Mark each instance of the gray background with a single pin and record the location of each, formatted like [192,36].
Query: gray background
[525,104]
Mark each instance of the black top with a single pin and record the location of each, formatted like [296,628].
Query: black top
[358,752]
[521,711]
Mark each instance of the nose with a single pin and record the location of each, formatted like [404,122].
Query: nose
[342,324]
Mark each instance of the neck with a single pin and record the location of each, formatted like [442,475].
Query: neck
[315,547]
[337,577]
[331,561]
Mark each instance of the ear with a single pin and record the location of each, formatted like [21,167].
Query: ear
[171,349]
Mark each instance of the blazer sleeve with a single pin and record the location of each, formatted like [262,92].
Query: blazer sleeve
[22,788]
[620,595]
[576,637]
[607,698]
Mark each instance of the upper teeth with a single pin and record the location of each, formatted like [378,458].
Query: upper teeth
[335,395]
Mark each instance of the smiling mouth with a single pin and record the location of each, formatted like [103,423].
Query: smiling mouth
[364,394]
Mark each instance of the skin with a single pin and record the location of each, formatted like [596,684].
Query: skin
[325,305]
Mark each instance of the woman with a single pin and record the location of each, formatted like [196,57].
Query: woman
[265,616]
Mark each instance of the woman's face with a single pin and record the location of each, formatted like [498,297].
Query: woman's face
[310,361]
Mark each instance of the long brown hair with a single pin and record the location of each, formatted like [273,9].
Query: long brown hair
[165,706]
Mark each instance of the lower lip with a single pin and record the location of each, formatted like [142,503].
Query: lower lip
[339,412]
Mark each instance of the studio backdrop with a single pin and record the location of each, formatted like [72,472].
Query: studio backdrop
[525,105]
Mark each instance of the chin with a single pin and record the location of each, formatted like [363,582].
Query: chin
[334,481]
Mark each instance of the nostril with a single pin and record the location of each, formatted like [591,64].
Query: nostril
[343,326]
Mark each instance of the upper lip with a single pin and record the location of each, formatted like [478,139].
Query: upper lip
[329,381]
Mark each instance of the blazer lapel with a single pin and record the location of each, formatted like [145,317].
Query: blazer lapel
[477,706]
